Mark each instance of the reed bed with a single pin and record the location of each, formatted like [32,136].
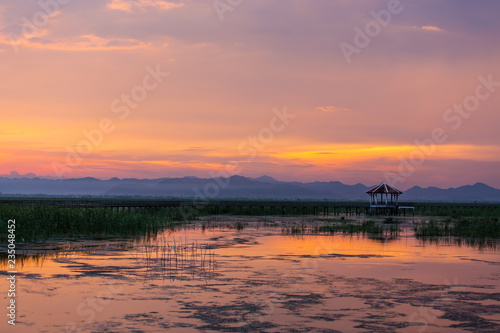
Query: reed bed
[367,227]
[478,243]
[484,227]
[176,259]
[35,223]
[456,210]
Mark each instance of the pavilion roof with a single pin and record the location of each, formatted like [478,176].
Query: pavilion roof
[384,188]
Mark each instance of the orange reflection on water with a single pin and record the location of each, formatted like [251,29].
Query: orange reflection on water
[179,276]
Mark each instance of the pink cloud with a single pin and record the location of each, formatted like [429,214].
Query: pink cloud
[130,5]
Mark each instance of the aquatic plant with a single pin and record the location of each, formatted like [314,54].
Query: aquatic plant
[367,227]
[239,225]
[457,210]
[46,222]
[464,227]
[332,220]
[175,259]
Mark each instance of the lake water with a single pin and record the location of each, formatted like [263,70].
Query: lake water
[221,279]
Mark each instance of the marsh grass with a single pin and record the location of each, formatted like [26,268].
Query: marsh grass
[366,227]
[463,227]
[456,210]
[295,228]
[177,258]
[239,225]
[44,222]
[301,208]
[342,219]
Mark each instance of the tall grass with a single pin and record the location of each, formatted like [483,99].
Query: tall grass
[464,227]
[367,227]
[176,259]
[45,222]
[300,208]
[456,210]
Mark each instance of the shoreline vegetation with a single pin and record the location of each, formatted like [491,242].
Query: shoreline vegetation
[43,222]
[484,227]
[34,223]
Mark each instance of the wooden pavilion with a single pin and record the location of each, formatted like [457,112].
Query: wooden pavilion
[384,199]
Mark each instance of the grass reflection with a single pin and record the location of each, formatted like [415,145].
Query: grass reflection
[176,259]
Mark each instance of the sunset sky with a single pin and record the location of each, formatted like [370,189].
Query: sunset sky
[193,88]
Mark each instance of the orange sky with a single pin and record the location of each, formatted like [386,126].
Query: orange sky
[67,68]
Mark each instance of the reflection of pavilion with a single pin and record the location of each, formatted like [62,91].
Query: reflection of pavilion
[384,199]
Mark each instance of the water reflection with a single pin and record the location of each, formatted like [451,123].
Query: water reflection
[259,279]
[173,256]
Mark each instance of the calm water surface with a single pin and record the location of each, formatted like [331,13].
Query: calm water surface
[257,279]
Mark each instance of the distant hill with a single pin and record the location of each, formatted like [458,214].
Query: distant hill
[235,187]
[470,193]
